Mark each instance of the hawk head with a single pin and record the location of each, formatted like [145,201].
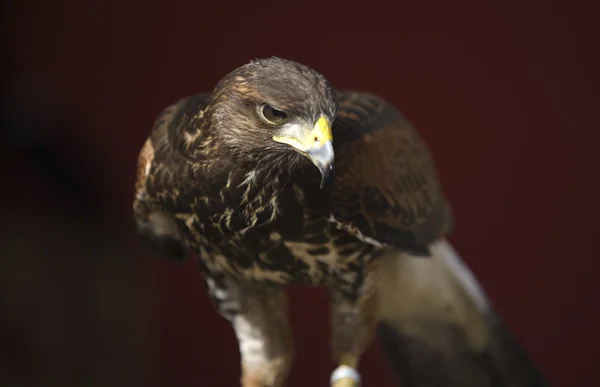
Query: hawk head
[276,113]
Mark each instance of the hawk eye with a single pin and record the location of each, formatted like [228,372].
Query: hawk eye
[273,115]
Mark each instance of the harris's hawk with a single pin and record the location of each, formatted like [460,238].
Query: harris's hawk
[277,178]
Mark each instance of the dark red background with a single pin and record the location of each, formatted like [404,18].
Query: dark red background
[502,92]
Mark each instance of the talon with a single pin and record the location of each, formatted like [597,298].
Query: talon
[345,376]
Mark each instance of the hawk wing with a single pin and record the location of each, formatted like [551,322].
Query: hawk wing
[162,163]
[385,189]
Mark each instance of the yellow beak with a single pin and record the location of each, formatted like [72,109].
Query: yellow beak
[315,143]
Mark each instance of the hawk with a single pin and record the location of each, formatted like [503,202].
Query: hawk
[277,178]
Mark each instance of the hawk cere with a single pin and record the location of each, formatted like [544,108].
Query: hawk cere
[276,178]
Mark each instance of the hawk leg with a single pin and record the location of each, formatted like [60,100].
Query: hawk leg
[353,325]
[258,314]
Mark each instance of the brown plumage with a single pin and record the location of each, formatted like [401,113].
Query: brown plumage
[236,176]
[386,183]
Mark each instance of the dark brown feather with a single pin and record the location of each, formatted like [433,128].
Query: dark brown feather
[385,182]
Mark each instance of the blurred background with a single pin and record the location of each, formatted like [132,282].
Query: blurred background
[504,93]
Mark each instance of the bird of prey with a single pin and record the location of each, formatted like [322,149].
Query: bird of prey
[277,178]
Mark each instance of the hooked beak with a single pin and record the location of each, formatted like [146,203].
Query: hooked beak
[315,144]
[322,157]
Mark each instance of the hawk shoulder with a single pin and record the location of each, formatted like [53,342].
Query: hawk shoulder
[161,167]
[385,189]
